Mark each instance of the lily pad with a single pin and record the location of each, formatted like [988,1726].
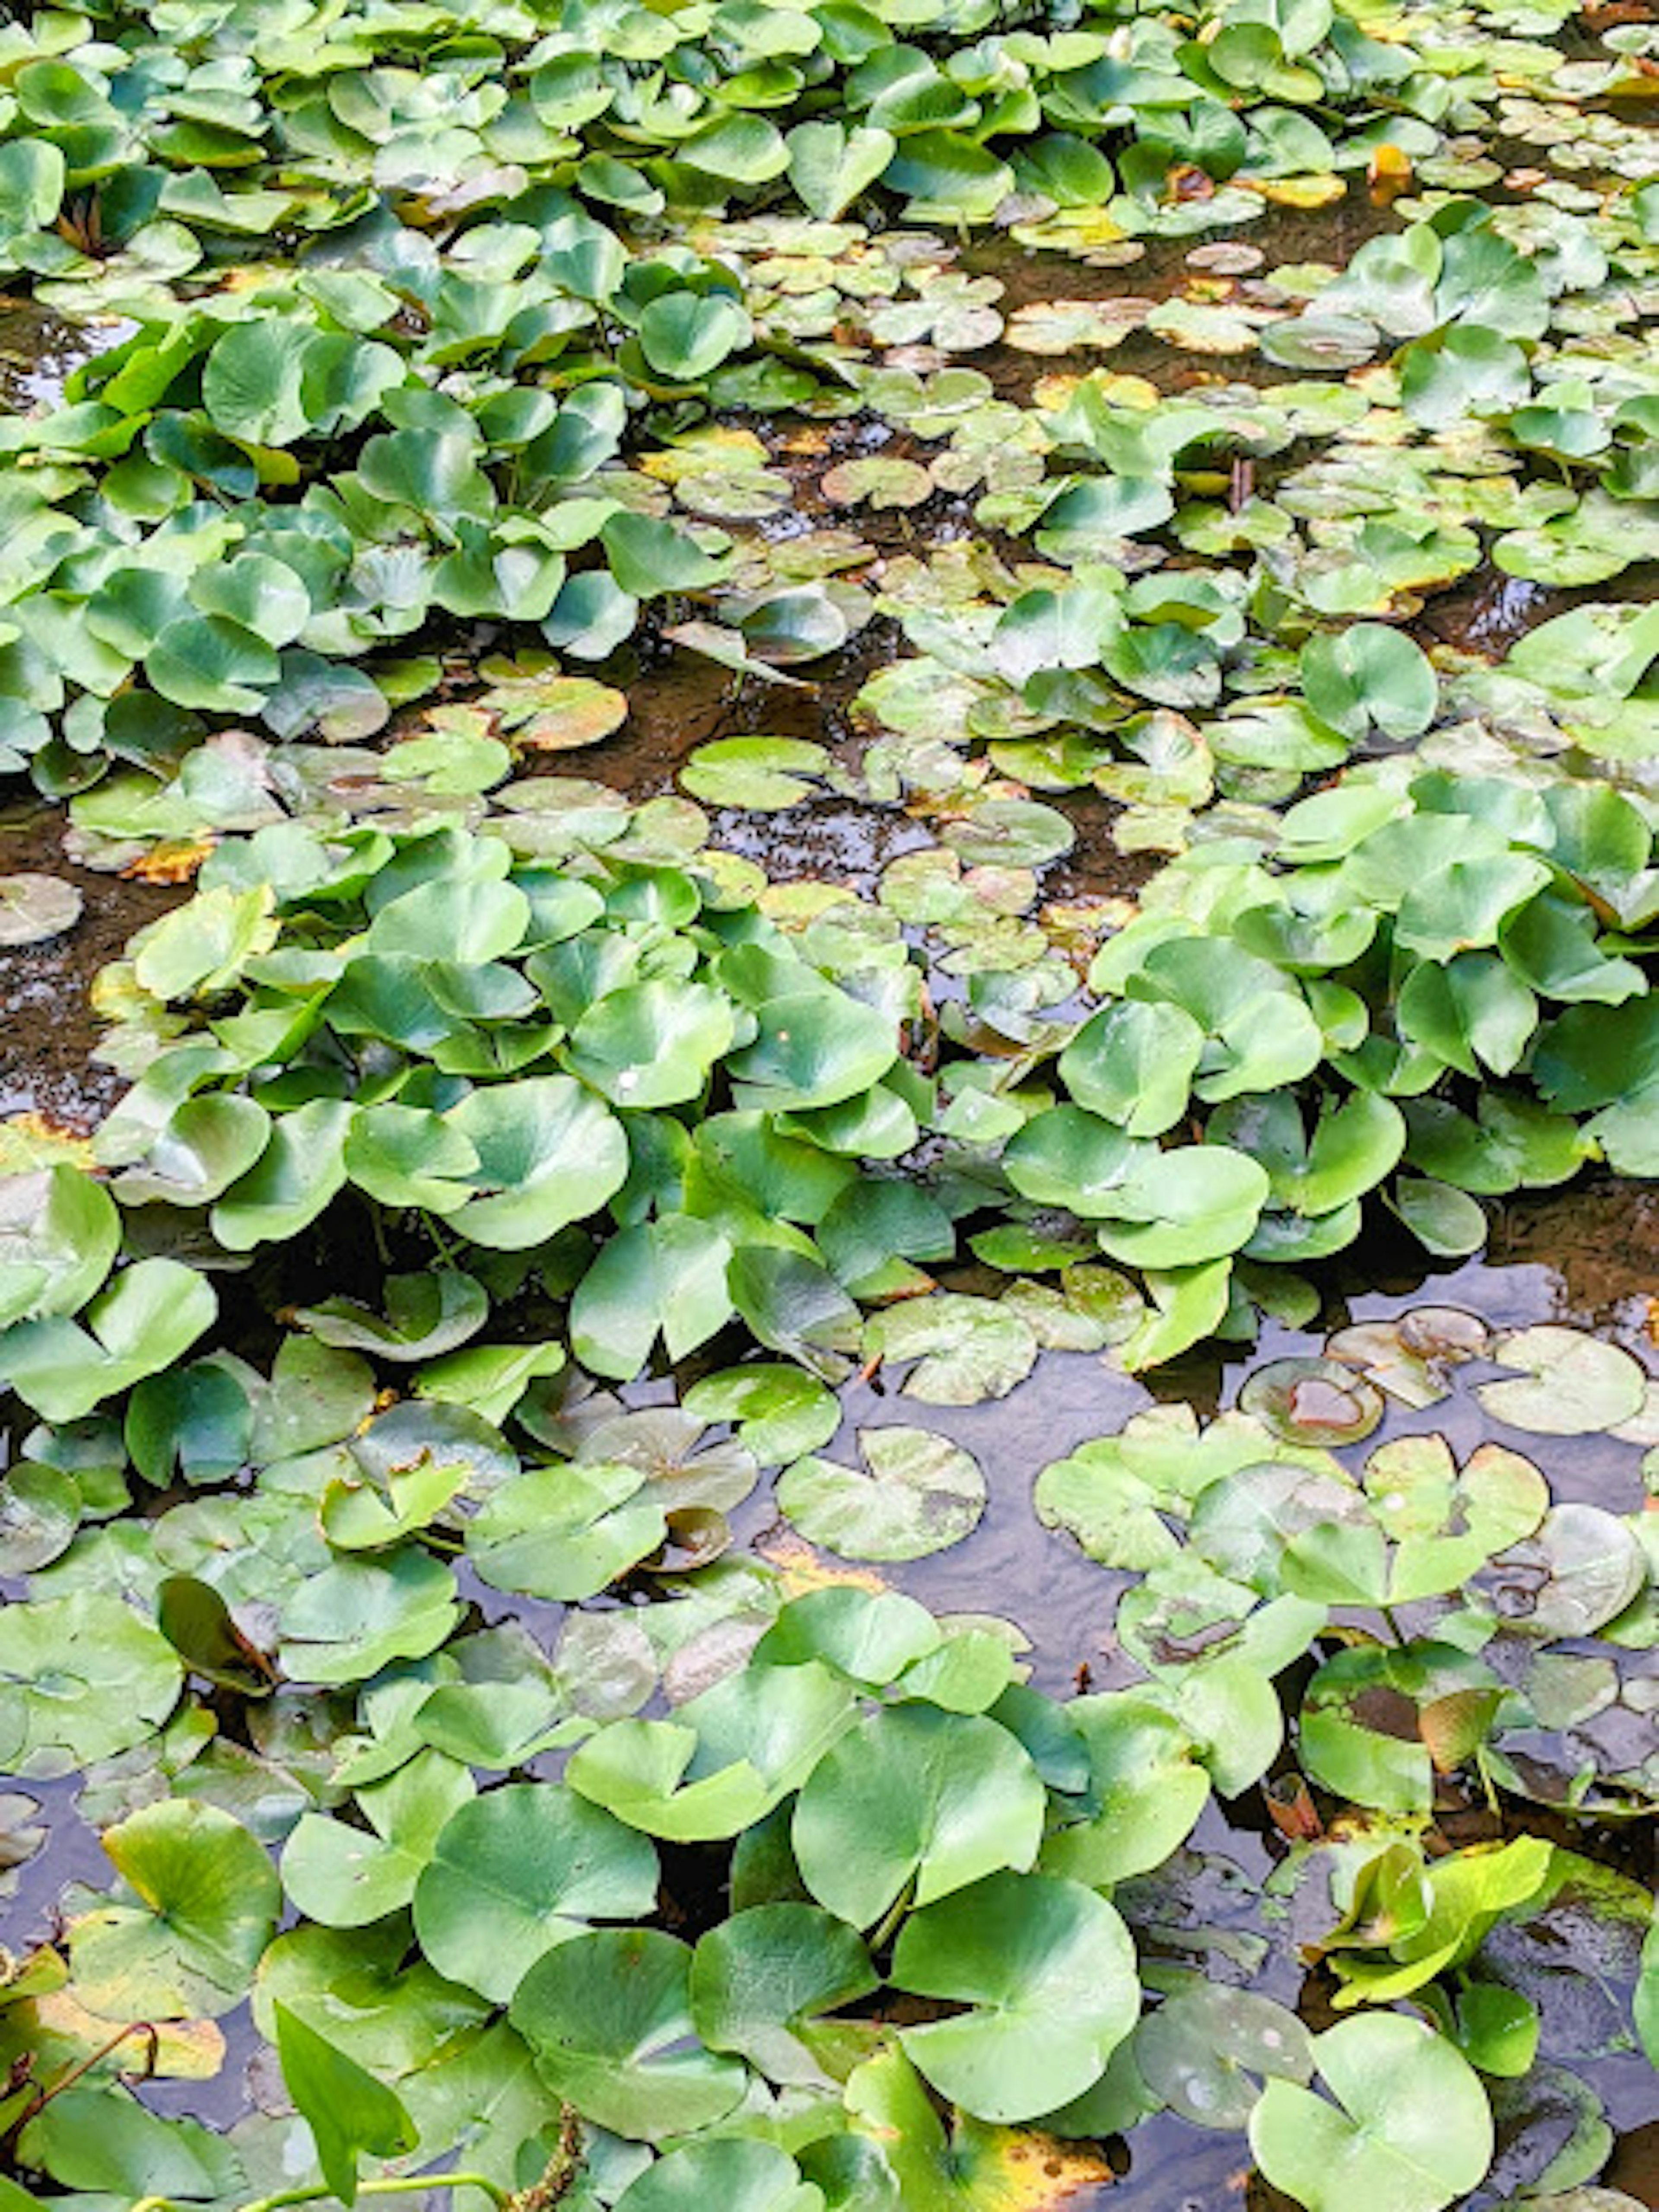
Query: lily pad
[33,907]
[923,1494]
[1406,2119]
[1047,1969]
[608,2017]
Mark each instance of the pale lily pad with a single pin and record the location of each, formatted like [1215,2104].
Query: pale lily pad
[966,1349]
[1312,1402]
[1575,1385]
[879,481]
[1579,1571]
[922,1494]
[1207,2049]
[35,907]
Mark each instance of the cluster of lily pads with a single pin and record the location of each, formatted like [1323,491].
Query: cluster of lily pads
[622,1080]
[844,1794]
[436,1569]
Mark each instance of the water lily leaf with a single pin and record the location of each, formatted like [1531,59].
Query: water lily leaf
[1133,1062]
[1463,905]
[652,1044]
[780,1413]
[648,557]
[343,1876]
[547,1154]
[60,1234]
[40,1509]
[880,480]
[735,1752]
[1367,677]
[907,2162]
[922,1494]
[1207,2050]
[300,1169]
[830,165]
[1575,1384]
[1186,1614]
[202,947]
[490,1379]
[520,1869]
[967,1349]
[1443,1220]
[765,1975]
[425,1314]
[1188,1304]
[1047,1969]
[200,1903]
[738,2175]
[358,1615]
[1580,1571]
[1461,371]
[764,773]
[203,1631]
[1303,1529]
[1449,1523]
[565,1531]
[1409,2120]
[1192,1203]
[1097,1494]
[1312,1402]
[608,2017]
[1474,1012]
[1315,340]
[208,1142]
[1646,2000]
[83,1678]
[666,1277]
[33,907]
[101,2139]
[687,335]
[1465,1894]
[816,1046]
[1071,1158]
[1411,1358]
[872,1636]
[1146,1791]
[1361,1729]
[914,1795]
[146,1318]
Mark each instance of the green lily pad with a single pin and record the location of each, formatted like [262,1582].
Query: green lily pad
[1047,1969]
[1406,2119]
[608,2017]
[763,1978]
[83,1678]
[518,1870]
[915,1795]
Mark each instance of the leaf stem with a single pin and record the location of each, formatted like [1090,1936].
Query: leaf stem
[41,2098]
[394,2185]
[901,1904]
